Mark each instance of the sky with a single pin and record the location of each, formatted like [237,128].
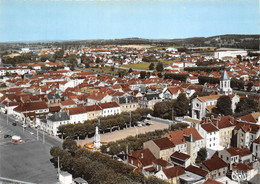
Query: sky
[50,20]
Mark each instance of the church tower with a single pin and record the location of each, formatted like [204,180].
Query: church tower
[225,88]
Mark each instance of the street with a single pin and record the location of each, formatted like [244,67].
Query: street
[29,160]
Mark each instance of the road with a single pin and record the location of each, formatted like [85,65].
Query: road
[27,161]
[134,69]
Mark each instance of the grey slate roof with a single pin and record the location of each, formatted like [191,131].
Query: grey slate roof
[60,116]
[53,96]
[151,96]
[126,100]
[224,75]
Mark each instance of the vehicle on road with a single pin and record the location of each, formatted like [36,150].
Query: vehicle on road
[24,125]
[31,133]
[14,124]
[6,136]
[16,138]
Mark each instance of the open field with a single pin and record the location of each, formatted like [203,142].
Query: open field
[145,65]
[106,70]
[122,134]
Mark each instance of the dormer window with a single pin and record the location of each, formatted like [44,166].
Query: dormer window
[142,155]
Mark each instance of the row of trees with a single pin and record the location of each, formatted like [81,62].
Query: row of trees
[205,69]
[134,143]
[181,77]
[109,123]
[95,167]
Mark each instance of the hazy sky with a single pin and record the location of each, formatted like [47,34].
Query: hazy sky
[35,20]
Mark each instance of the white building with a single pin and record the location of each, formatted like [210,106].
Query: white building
[54,121]
[77,114]
[211,135]
[110,108]
[233,54]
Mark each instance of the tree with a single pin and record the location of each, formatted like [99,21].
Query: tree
[159,67]
[246,106]
[249,86]
[181,106]
[201,156]
[130,70]
[223,106]
[151,66]
[142,74]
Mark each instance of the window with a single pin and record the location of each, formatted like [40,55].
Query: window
[227,158]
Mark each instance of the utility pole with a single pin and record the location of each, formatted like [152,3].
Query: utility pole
[7,112]
[37,135]
[43,138]
[172,118]
[130,118]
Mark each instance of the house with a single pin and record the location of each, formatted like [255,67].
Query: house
[181,159]
[256,148]
[194,175]
[211,181]
[99,97]
[53,100]
[229,155]
[160,164]
[171,93]
[77,114]
[93,111]
[244,134]
[67,104]
[110,108]
[160,148]
[225,124]
[171,174]
[187,141]
[216,167]
[211,135]
[245,171]
[142,160]
[128,103]
[54,121]
[149,100]
[39,109]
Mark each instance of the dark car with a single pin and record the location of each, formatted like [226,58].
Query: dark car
[6,136]
[14,124]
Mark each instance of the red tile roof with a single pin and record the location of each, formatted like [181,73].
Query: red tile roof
[197,170]
[173,172]
[161,162]
[214,163]
[144,156]
[242,167]
[209,127]
[163,143]
[76,110]
[180,155]
[109,105]
[178,137]
[211,181]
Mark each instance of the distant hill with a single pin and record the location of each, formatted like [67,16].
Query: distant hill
[232,41]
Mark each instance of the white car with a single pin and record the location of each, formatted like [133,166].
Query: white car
[31,133]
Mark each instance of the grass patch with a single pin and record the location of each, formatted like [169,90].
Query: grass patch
[106,70]
[144,65]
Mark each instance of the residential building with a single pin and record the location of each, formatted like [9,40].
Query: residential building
[256,148]
[216,167]
[187,141]
[142,160]
[53,100]
[54,121]
[181,159]
[160,148]
[77,114]
[171,175]
[128,104]
[110,108]
[93,111]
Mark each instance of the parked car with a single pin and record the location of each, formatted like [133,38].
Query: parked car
[14,124]
[6,136]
